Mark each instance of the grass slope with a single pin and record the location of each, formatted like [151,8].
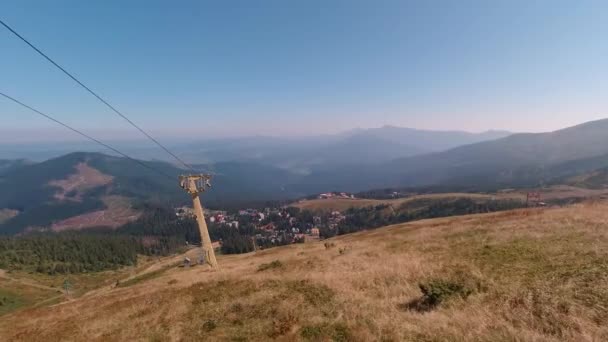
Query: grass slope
[342,204]
[532,274]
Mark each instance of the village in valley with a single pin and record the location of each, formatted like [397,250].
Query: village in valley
[330,214]
[273,226]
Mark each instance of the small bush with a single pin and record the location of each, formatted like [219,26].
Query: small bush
[343,250]
[271,265]
[338,332]
[341,333]
[6,301]
[437,291]
[282,325]
[145,276]
[236,308]
[315,294]
[209,325]
[313,332]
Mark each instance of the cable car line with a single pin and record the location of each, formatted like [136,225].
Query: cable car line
[96,95]
[87,136]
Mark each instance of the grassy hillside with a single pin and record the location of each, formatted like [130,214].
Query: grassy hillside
[342,204]
[532,274]
[585,186]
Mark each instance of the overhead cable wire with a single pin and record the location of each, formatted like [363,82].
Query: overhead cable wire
[96,95]
[86,136]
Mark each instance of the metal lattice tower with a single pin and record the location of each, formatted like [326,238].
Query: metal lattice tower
[195,184]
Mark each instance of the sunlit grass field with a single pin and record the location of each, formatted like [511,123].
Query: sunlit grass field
[522,275]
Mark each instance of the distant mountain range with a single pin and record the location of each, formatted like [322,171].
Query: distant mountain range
[516,160]
[427,140]
[297,154]
[75,186]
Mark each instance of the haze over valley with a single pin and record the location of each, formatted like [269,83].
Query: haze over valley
[257,170]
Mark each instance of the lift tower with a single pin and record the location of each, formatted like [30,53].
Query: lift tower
[195,184]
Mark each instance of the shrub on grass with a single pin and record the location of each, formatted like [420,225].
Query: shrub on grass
[272,265]
[282,325]
[341,333]
[338,332]
[209,325]
[438,290]
[311,332]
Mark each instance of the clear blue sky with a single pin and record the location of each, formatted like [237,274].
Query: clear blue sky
[307,67]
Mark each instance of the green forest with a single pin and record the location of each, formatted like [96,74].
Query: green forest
[67,252]
[358,219]
[157,232]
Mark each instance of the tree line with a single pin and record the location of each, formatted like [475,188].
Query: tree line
[372,217]
[67,252]
[158,231]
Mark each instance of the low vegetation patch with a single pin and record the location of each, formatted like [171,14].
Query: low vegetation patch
[344,250]
[337,332]
[312,332]
[9,301]
[276,264]
[436,291]
[209,325]
[315,294]
[270,308]
[145,276]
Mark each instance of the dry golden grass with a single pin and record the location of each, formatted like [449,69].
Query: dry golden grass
[342,204]
[555,192]
[540,275]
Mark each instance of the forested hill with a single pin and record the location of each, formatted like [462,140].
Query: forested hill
[77,184]
[7,165]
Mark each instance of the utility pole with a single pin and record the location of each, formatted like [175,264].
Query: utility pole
[195,184]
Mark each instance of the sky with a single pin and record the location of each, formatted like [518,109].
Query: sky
[230,68]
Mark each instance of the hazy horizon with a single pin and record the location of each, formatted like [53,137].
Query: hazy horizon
[24,136]
[34,136]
